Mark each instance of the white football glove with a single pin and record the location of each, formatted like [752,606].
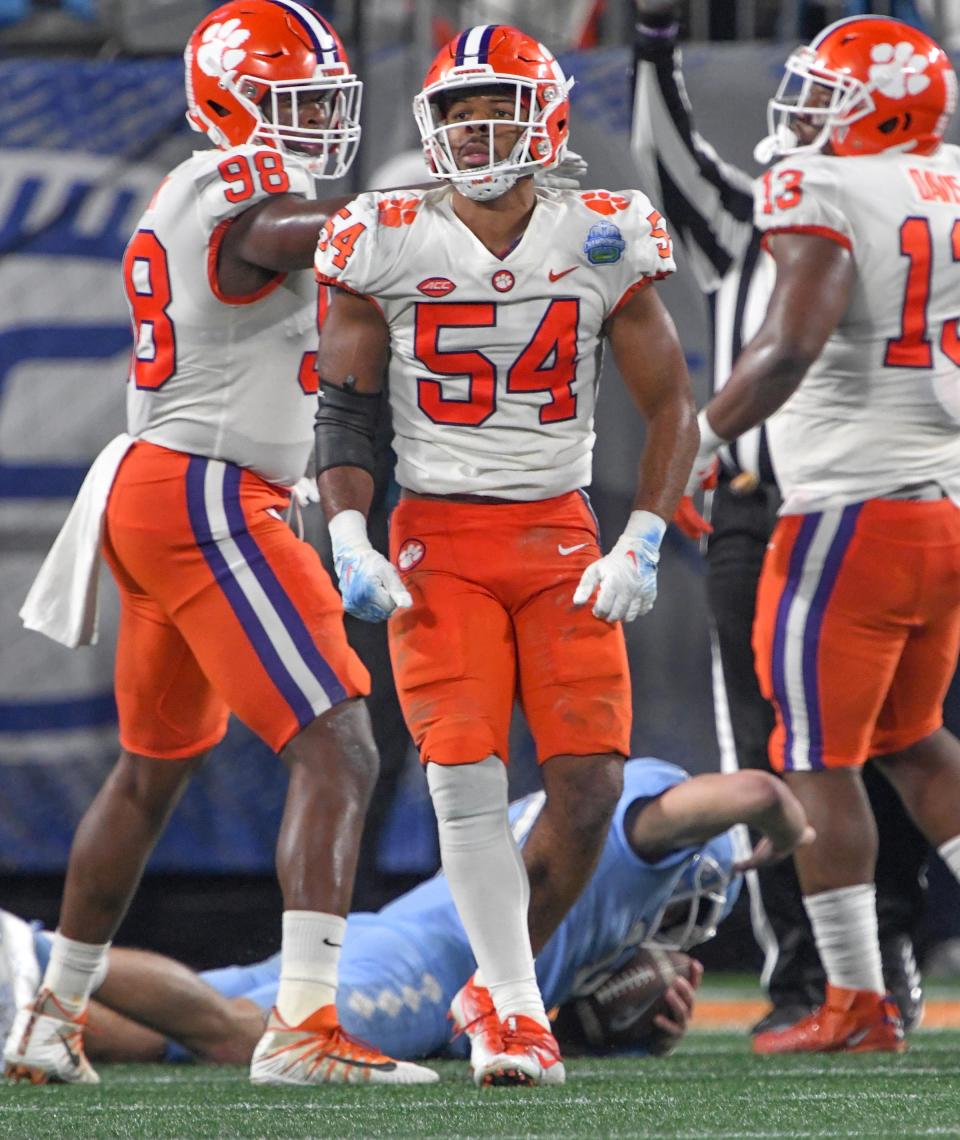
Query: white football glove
[705,461]
[305,491]
[566,175]
[627,576]
[370,586]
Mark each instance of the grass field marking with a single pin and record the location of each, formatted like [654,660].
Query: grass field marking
[828,1132]
[760,1073]
[523,1099]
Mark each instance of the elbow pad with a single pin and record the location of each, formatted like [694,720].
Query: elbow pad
[345,427]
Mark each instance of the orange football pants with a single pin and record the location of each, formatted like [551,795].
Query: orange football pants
[857,629]
[222,608]
[493,620]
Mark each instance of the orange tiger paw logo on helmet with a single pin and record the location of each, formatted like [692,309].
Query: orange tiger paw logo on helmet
[398,211]
[603,202]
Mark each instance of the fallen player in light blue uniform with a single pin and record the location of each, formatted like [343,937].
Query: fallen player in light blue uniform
[668,873]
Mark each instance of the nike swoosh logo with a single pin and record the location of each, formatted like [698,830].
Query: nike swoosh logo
[563,272]
[65,1042]
[570,549]
[380,1066]
[622,1021]
[335,945]
[856,1038]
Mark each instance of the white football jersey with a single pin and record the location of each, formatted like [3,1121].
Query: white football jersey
[230,378]
[880,408]
[495,361]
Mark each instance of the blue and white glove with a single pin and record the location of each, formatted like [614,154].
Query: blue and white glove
[627,576]
[370,586]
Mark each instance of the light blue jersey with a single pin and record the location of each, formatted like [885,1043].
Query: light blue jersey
[401,967]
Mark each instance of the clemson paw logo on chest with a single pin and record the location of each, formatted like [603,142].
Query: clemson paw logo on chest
[398,211]
[603,202]
[220,50]
[898,71]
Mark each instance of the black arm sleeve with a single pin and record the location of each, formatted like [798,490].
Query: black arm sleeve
[346,425]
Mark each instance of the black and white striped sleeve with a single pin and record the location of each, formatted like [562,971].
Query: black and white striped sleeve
[708,203]
[709,206]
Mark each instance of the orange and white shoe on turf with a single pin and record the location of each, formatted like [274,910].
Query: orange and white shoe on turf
[849,1021]
[46,1045]
[318,1051]
[530,1053]
[473,1013]
[518,1051]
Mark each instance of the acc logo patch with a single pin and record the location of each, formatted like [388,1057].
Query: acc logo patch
[604,244]
[436,286]
[502,281]
[411,554]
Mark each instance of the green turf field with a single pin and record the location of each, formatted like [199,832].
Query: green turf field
[712,1087]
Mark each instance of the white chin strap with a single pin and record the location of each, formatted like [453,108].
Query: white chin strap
[782,141]
[487,186]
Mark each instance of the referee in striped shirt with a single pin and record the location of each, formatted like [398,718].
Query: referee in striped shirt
[709,205]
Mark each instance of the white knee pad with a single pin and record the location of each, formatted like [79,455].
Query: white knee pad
[459,791]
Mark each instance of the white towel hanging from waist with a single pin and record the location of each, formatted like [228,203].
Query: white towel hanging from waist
[62,602]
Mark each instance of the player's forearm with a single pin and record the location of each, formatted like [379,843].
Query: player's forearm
[671,444]
[345,489]
[766,374]
[281,233]
[704,806]
[776,813]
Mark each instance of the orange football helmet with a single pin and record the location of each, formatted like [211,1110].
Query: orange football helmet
[258,70]
[866,84]
[495,55]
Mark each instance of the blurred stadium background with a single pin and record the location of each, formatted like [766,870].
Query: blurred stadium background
[91,119]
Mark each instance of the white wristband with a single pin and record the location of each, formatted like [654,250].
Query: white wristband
[348,528]
[709,440]
[645,524]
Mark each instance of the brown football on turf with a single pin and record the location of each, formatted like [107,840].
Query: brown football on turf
[620,1013]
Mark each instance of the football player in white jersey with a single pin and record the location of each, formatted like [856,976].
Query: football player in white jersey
[858,609]
[492,298]
[222,607]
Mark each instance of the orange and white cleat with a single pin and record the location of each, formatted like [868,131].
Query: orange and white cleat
[319,1051]
[531,1055]
[849,1021]
[473,1013]
[517,1051]
[45,1045]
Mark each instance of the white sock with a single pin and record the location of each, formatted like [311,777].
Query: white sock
[949,852]
[844,925]
[74,971]
[100,973]
[309,962]
[488,880]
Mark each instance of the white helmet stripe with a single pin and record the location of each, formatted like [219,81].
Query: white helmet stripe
[475,45]
[325,44]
